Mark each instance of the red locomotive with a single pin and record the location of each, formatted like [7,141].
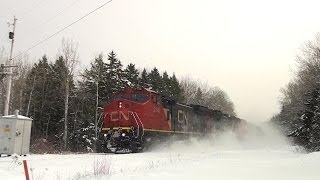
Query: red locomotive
[136,117]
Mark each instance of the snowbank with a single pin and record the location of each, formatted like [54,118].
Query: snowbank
[220,157]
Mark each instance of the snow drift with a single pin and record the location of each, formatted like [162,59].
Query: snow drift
[220,156]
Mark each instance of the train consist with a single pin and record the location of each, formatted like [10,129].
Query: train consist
[138,117]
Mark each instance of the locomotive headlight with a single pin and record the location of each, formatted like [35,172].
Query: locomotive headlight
[120,104]
[105,135]
[123,134]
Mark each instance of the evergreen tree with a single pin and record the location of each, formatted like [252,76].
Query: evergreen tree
[166,85]
[91,94]
[82,136]
[44,101]
[175,89]
[115,75]
[144,80]
[36,101]
[156,80]
[300,96]
[308,134]
[95,81]
[131,75]
[56,105]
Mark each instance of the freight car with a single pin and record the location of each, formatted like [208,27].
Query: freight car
[137,117]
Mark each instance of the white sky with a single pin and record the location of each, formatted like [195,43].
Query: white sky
[246,47]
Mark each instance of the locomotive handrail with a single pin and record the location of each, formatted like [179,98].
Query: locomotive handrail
[100,120]
[104,117]
[136,123]
[141,124]
[136,116]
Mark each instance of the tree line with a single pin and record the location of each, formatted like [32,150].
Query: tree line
[299,117]
[65,108]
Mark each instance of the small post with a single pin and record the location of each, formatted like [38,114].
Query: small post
[26,172]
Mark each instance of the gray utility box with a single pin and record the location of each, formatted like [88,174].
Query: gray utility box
[15,131]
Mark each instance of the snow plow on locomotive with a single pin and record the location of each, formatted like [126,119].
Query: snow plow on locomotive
[137,117]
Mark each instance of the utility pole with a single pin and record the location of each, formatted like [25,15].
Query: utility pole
[10,65]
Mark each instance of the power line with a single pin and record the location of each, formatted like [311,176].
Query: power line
[42,41]
[51,18]
[37,4]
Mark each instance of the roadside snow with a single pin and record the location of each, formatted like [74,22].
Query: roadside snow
[224,158]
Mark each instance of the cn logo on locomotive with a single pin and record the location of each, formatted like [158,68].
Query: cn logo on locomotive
[116,116]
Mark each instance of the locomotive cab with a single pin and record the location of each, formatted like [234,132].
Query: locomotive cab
[122,128]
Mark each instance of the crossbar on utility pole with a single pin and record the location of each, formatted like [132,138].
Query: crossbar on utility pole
[8,92]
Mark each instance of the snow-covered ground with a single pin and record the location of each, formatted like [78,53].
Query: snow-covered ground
[267,157]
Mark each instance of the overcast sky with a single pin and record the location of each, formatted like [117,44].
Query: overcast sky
[246,47]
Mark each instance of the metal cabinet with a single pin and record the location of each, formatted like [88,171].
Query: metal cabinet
[15,132]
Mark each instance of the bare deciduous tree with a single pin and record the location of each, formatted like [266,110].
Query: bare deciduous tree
[19,81]
[70,57]
[306,79]
[197,92]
